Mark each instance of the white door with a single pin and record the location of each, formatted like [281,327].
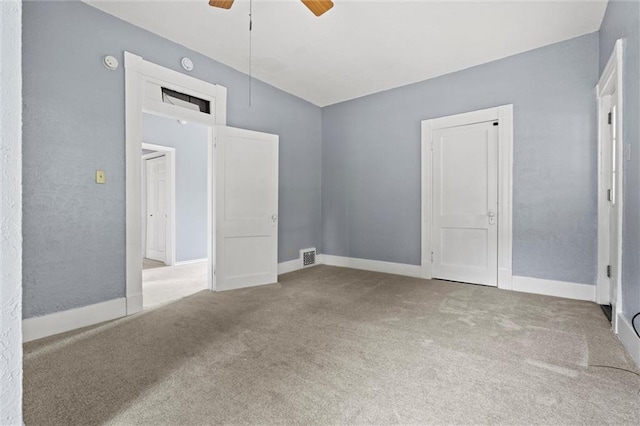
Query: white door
[465,204]
[246,196]
[615,157]
[156,197]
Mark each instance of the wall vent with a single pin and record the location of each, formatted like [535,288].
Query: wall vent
[308,257]
[185,101]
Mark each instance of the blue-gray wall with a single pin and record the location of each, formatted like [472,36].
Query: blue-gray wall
[190,142]
[371,160]
[622,20]
[74,230]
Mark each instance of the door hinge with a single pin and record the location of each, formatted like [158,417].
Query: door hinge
[431,257]
[609,118]
[609,195]
[608,271]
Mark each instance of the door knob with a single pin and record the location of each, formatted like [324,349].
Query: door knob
[274,218]
[492,213]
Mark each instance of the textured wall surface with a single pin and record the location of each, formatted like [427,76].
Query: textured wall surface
[622,20]
[371,160]
[74,248]
[190,142]
[10,214]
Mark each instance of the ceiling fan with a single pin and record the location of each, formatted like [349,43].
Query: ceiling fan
[318,7]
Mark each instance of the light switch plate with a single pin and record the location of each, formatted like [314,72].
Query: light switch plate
[101,176]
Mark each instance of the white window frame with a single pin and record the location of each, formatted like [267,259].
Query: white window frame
[140,76]
[504,116]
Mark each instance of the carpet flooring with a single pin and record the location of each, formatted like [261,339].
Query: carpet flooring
[332,345]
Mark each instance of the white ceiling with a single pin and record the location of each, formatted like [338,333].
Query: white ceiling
[360,47]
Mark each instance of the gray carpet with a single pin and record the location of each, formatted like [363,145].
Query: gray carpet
[330,345]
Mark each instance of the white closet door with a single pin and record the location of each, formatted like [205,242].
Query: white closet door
[465,204]
[156,178]
[246,174]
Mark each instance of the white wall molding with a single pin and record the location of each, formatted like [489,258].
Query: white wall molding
[191,262]
[59,322]
[610,83]
[628,337]
[524,284]
[554,288]
[134,303]
[289,266]
[373,265]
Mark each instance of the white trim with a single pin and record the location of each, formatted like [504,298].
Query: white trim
[610,81]
[555,288]
[291,265]
[427,197]
[563,289]
[143,80]
[602,281]
[373,265]
[191,262]
[505,196]
[504,115]
[59,322]
[628,337]
[134,303]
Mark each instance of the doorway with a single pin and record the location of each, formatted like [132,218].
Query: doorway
[158,206]
[154,199]
[242,195]
[466,197]
[610,186]
[174,209]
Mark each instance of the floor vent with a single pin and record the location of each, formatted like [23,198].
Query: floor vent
[308,257]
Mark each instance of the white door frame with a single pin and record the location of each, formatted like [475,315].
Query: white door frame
[610,82]
[143,83]
[170,155]
[504,116]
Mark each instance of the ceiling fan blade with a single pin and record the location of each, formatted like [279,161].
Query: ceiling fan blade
[318,7]
[223,4]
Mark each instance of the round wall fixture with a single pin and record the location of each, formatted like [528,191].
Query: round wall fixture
[187,64]
[110,62]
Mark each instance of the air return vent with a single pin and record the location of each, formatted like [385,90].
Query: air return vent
[308,257]
[185,101]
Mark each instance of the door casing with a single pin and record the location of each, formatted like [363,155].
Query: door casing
[142,82]
[504,116]
[610,82]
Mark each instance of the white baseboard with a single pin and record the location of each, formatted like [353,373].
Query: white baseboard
[134,304]
[505,279]
[59,322]
[554,288]
[373,265]
[189,262]
[629,338]
[289,266]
